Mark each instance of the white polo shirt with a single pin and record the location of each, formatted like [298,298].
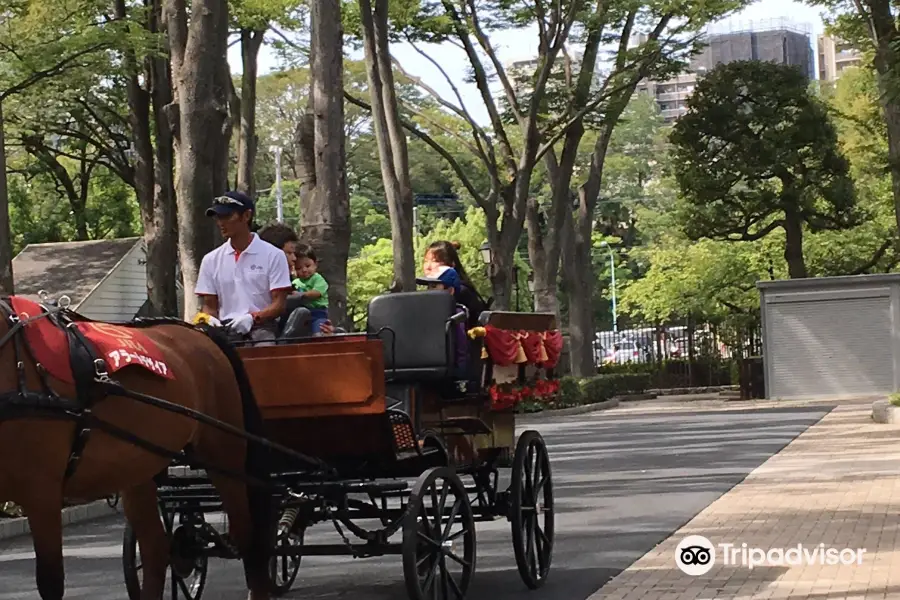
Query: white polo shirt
[243,282]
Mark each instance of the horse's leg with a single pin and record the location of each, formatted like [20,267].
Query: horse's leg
[45,520]
[140,506]
[249,520]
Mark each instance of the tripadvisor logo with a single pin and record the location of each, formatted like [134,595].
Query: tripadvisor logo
[695,555]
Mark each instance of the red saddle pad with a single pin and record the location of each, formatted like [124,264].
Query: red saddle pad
[119,346]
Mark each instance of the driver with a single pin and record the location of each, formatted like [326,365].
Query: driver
[243,284]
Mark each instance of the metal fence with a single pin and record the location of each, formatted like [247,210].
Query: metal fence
[680,354]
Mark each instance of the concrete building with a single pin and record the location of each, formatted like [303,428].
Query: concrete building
[835,56]
[776,40]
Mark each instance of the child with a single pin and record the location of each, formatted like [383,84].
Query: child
[312,286]
[446,278]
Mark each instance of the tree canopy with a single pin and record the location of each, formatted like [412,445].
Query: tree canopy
[756,152]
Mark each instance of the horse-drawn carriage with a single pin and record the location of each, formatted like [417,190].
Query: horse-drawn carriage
[380,427]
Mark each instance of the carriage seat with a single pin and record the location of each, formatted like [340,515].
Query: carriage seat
[296,322]
[417,331]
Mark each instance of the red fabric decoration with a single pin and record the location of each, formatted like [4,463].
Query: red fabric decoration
[501,345]
[532,344]
[48,342]
[553,343]
[119,346]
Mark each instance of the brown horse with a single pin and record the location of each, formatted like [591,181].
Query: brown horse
[35,452]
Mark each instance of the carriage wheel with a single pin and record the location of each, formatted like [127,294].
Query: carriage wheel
[283,569]
[531,497]
[187,567]
[438,537]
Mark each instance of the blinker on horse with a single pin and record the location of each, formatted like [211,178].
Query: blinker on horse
[89,409]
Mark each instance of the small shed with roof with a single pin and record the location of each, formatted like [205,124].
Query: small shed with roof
[829,337]
[105,279]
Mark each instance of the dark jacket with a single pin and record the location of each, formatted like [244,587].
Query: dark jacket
[473,303]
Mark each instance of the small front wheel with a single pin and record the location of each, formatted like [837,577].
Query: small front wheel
[187,570]
[531,497]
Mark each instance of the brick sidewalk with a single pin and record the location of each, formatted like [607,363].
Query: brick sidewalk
[837,484]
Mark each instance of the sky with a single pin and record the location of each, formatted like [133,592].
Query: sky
[519,45]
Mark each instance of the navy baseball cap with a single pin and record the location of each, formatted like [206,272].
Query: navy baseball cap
[447,276]
[230,203]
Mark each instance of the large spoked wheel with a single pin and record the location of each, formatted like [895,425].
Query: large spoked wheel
[438,537]
[531,509]
[283,568]
[187,568]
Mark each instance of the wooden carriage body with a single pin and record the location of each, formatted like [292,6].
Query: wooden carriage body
[363,401]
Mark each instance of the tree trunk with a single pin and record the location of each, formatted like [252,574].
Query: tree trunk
[198,51]
[391,140]
[891,110]
[251,42]
[581,305]
[545,287]
[793,245]
[883,30]
[162,225]
[6,256]
[325,214]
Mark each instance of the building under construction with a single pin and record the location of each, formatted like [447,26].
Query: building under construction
[774,40]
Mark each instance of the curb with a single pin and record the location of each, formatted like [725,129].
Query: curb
[11,528]
[885,412]
[573,410]
[636,397]
[690,391]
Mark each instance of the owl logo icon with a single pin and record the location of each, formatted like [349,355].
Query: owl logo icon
[695,555]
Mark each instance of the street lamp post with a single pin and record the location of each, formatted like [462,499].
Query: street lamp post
[278,199]
[612,270]
[486,257]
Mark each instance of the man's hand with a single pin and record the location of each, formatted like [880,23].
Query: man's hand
[242,324]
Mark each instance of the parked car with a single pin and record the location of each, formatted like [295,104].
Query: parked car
[624,351]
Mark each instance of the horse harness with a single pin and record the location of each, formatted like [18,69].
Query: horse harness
[92,384]
[88,368]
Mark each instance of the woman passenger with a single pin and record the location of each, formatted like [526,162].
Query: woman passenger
[444,253]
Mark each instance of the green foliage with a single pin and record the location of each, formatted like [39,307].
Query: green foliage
[606,386]
[754,147]
[600,388]
[707,279]
[371,273]
[40,40]
[260,14]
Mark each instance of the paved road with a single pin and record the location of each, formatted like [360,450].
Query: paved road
[624,482]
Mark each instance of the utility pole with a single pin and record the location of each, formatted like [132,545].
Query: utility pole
[278,200]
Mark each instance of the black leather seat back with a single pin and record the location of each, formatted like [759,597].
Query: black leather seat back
[414,329]
[296,321]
